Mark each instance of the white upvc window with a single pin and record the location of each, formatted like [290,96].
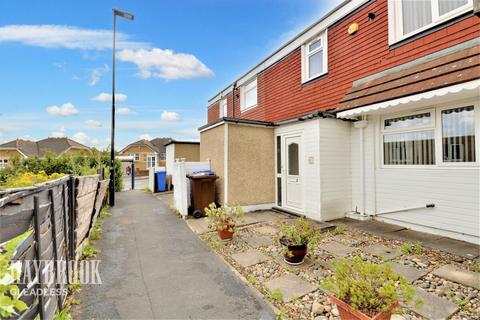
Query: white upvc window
[223,108]
[248,95]
[409,17]
[151,160]
[315,58]
[444,136]
[136,156]
[3,163]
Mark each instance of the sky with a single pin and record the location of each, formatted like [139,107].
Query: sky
[56,58]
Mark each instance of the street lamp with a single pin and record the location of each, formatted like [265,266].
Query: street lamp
[111,197]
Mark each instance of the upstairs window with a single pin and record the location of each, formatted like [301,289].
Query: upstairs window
[248,95]
[223,108]
[409,17]
[314,58]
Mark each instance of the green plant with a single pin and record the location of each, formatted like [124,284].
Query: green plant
[63,315]
[275,295]
[223,218]
[89,251]
[252,279]
[301,232]
[412,248]
[105,212]
[96,230]
[147,189]
[281,314]
[10,304]
[26,179]
[339,230]
[369,287]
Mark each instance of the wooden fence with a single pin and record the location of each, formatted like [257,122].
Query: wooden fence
[60,216]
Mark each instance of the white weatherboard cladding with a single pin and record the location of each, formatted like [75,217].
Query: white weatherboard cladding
[454,190]
[170,158]
[335,160]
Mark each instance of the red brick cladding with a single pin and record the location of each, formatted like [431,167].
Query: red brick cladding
[281,94]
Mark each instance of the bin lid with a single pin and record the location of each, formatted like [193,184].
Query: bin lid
[203,172]
[202,176]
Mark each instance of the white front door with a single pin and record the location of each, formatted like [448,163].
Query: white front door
[293,174]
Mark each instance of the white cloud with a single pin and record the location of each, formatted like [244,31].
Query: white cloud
[146,136]
[95,142]
[60,133]
[93,123]
[66,109]
[81,137]
[70,37]
[170,116]
[125,111]
[96,74]
[107,97]
[166,64]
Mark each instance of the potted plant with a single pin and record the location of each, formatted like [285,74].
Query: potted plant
[223,219]
[365,290]
[296,238]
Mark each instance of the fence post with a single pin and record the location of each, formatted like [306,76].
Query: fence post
[36,207]
[53,220]
[71,192]
[65,229]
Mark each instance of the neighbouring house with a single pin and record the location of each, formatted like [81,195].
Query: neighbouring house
[27,148]
[188,151]
[147,154]
[371,112]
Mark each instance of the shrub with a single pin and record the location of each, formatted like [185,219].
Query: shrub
[26,179]
[224,217]
[299,233]
[368,287]
[412,248]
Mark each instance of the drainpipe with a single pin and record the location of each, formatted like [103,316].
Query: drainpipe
[362,124]
[233,98]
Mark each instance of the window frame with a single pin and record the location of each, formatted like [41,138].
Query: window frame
[417,128]
[222,108]
[395,19]
[4,163]
[149,156]
[437,127]
[306,54]
[243,91]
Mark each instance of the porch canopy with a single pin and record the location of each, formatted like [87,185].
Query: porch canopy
[439,78]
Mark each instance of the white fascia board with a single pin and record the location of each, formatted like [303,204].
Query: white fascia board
[336,14]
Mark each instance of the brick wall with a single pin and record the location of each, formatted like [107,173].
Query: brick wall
[281,94]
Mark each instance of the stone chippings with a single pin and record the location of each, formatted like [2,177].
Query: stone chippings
[306,300]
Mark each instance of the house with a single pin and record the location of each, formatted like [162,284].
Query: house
[372,112]
[181,150]
[147,154]
[27,148]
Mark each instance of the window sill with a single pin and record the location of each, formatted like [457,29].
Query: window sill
[248,109]
[405,40]
[314,79]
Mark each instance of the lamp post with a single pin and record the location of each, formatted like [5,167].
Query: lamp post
[111,189]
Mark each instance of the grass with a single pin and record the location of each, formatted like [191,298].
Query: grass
[147,189]
[89,251]
[252,279]
[275,296]
[339,230]
[412,248]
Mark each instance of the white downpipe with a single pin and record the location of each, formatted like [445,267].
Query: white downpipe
[361,125]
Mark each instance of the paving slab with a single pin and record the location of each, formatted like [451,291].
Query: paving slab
[410,273]
[267,230]
[250,257]
[198,226]
[337,248]
[433,307]
[379,250]
[258,241]
[412,236]
[267,216]
[455,274]
[455,247]
[291,286]
[377,227]
[307,263]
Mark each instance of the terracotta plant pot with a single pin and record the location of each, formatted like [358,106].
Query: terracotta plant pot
[297,253]
[225,234]
[347,312]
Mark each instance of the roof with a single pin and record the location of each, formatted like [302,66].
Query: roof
[454,68]
[157,145]
[181,142]
[345,8]
[37,149]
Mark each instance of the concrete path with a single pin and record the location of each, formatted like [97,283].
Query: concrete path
[154,267]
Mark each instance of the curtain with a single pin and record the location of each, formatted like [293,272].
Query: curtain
[458,134]
[445,6]
[409,148]
[416,14]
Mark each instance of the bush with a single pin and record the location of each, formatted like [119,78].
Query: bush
[368,287]
[78,165]
[223,218]
[26,179]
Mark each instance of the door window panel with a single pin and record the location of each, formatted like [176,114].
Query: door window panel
[293,160]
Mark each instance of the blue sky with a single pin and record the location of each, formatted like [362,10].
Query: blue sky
[55,59]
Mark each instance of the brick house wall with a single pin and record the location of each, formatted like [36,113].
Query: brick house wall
[281,94]
[140,165]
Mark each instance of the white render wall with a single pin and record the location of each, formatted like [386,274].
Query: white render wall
[455,191]
[170,158]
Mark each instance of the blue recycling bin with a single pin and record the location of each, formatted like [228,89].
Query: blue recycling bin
[161,181]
